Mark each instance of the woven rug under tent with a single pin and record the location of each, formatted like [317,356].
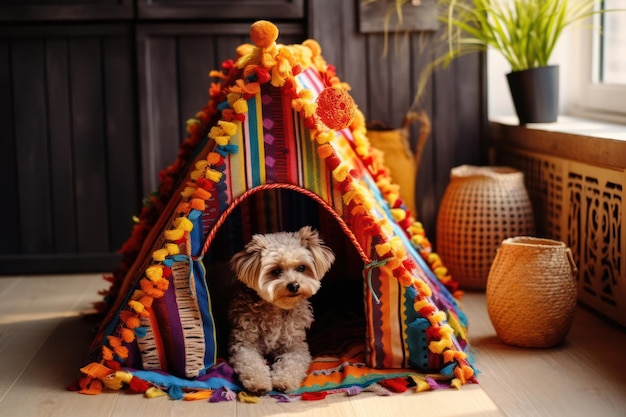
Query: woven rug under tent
[261,157]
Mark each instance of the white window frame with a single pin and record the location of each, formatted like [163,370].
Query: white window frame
[589,98]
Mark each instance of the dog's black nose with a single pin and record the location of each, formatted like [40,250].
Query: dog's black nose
[293,287]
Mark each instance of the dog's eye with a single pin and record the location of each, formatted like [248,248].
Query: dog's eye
[276,272]
[301,268]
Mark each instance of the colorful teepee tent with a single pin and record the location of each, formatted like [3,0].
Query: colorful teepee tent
[277,147]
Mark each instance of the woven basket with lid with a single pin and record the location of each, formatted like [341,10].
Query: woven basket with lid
[531,292]
[480,208]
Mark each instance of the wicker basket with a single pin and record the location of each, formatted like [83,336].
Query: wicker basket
[480,208]
[531,292]
[403,163]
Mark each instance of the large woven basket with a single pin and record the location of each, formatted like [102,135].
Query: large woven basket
[531,292]
[480,208]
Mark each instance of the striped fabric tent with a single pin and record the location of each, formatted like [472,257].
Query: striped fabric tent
[266,155]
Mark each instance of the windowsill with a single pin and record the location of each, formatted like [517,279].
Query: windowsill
[597,143]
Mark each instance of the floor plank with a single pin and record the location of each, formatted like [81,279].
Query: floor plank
[30,309]
[581,377]
[53,307]
[469,401]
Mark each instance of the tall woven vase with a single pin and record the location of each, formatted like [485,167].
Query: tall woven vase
[531,292]
[480,208]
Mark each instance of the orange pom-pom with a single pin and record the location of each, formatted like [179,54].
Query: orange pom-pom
[263,33]
[335,107]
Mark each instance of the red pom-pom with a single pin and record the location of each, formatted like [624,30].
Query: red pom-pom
[138,385]
[395,384]
[335,107]
[310,122]
[262,75]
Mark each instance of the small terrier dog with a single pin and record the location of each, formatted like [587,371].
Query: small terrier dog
[270,311]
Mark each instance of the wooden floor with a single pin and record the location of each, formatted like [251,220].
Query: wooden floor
[44,339]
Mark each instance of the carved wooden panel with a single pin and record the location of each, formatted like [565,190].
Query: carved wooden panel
[581,205]
[596,236]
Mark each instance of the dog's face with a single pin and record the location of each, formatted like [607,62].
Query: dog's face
[284,268]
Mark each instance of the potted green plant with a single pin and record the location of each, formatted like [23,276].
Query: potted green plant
[525,32]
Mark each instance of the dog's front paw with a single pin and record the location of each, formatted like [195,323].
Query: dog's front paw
[286,386]
[285,381]
[258,384]
[251,368]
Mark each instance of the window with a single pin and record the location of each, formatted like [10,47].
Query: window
[612,39]
[600,73]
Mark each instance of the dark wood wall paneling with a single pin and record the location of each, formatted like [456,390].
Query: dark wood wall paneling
[69,137]
[92,112]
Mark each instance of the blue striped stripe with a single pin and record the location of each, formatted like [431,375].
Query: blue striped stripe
[204,305]
[254,143]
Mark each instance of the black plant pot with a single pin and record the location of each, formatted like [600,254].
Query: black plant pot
[535,93]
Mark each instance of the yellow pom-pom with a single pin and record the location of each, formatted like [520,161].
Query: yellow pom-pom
[216,131]
[325,137]
[228,127]
[154,392]
[437,317]
[240,106]
[420,304]
[222,140]
[335,107]
[174,234]
[201,164]
[172,248]
[183,223]
[439,346]
[213,175]
[187,192]
[341,173]
[421,384]
[124,376]
[113,382]
[159,255]
[263,33]
[383,249]
[398,214]
[154,273]
[136,306]
[244,397]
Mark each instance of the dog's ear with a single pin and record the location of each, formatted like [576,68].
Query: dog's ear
[323,256]
[247,263]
